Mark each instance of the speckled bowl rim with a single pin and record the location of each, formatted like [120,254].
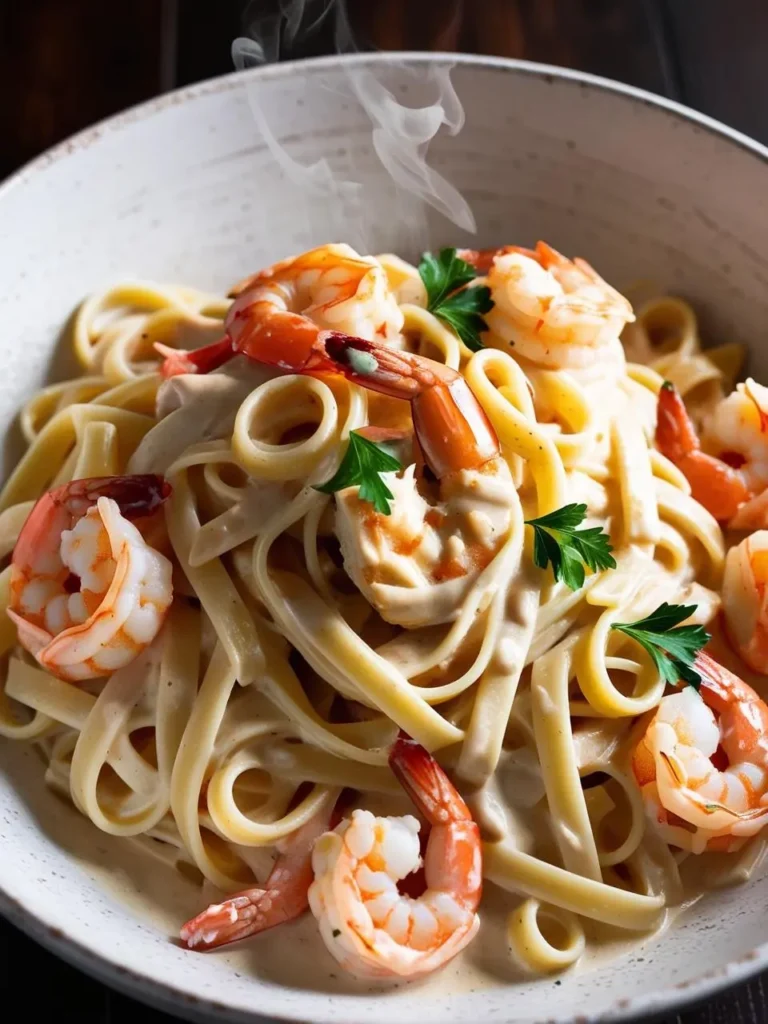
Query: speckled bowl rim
[166,996]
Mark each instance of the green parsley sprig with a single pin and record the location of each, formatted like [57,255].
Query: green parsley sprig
[672,647]
[445,277]
[568,550]
[363,463]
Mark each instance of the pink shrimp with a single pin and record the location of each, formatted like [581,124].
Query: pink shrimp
[694,804]
[559,313]
[726,491]
[447,546]
[281,314]
[714,484]
[369,925]
[87,593]
[348,291]
[354,879]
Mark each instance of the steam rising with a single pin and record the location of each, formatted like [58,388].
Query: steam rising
[317,177]
[337,204]
[401,137]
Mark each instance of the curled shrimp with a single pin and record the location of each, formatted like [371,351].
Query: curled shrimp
[416,564]
[349,878]
[695,804]
[745,599]
[283,897]
[369,926]
[725,490]
[426,548]
[87,593]
[719,487]
[558,313]
[280,313]
[737,434]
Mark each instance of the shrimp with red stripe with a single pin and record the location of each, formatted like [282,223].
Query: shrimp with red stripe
[558,313]
[416,563]
[731,485]
[702,764]
[281,314]
[354,877]
[87,592]
[429,545]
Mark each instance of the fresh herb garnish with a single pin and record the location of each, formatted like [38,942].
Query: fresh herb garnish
[672,647]
[557,540]
[443,276]
[362,464]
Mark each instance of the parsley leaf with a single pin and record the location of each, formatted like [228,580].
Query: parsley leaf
[672,647]
[461,310]
[443,274]
[557,540]
[362,464]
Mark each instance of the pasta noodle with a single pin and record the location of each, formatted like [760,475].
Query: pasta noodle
[276,684]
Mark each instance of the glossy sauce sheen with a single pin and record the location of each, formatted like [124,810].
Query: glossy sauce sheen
[161,897]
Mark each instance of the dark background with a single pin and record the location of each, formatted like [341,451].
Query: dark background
[67,63]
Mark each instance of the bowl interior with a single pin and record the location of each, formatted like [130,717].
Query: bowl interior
[185,189]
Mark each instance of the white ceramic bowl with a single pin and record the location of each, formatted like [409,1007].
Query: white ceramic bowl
[183,189]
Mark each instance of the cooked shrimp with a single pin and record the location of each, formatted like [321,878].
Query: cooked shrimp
[416,564]
[283,897]
[737,434]
[558,313]
[280,313]
[435,548]
[369,926]
[725,491]
[696,805]
[482,259]
[87,593]
[719,487]
[745,599]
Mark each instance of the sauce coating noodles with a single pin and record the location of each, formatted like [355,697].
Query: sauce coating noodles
[275,683]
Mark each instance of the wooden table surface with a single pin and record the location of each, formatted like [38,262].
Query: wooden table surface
[67,63]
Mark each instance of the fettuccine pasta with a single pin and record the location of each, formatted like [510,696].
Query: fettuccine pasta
[306,614]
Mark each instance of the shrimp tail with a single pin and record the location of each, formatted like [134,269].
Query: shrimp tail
[200,360]
[425,782]
[226,922]
[452,428]
[714,484]
[721,688]
[240,916]
[718,682]
[284,897]
[675,433]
